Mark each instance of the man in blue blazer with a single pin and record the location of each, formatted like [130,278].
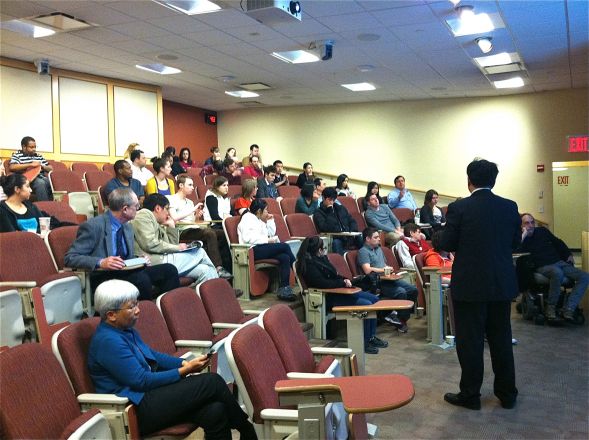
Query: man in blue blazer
[483,230]
[266,186]
[104,242]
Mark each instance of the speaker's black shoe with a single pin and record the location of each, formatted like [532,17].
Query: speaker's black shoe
[508,404]
[459,400]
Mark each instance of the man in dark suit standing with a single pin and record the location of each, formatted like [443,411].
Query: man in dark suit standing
[483,230]
[103,244]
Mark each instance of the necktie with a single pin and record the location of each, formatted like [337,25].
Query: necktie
[121,252]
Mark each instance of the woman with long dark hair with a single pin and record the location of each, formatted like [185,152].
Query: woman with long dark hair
[430,213]
[316,270]
[185,159]
[342,187]
[371,188]
[161,183]
[306,176]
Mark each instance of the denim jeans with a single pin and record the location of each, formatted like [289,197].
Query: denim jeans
[358,299]
[399,289]
[556,273]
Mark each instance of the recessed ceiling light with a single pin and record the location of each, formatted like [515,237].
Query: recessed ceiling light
[241,93]
[368,37]
[484,44]
[359,87]
[158,68]
[498,59]
[166,57]
[25,28]
[510,83]
[296,56]
[190,7]
[365,68]
[255,86]
[477,24]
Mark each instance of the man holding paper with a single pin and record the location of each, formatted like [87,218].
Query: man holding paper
[103,244]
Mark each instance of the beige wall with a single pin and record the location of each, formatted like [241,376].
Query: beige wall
[429,141]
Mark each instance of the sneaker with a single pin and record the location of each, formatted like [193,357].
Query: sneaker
[393,319]
[551,312]
[286,294]
[370,349]
[403,328]
[224,273]
[375,341]
[238,292]
[568,315]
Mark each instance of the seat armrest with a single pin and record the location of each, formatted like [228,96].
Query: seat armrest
[241,245]
[298,375]
[252,312]
[406,269]
[103,399]
[223,325]
[334,351]
[187,343]
[280,414]
[21,284]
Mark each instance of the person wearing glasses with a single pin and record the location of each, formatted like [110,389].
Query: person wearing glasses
[165,389]
[103,243]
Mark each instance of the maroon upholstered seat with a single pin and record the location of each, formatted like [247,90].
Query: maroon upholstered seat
[287,205]
[340,264]
[84,167]
[67,181]
[60,240]
[289,191]
[96,179]
[350,204]
[300,225]
[60,210]
[153,329]
[220,303]
[273,207]
[404,214]
[352,259]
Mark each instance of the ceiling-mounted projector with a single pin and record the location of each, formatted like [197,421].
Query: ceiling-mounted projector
[274,11]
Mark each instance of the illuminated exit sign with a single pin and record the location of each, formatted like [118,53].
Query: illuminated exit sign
[577,144]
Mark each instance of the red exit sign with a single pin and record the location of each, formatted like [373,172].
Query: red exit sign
[577,144]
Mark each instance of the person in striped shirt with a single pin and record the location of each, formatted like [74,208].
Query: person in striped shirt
[28,158]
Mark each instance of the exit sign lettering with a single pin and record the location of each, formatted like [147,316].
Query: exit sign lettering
[577,144]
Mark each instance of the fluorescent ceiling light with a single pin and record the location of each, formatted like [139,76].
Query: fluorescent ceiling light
[296,56]
[476,24]
[359,87]
[511,83]
[28,29]
[498,60]
[241,93]
[190,7]
[158,68]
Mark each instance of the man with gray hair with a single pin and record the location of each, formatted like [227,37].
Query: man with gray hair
[103,243]
[164,388]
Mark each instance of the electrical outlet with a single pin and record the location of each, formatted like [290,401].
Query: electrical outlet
[541,194]
[541,209]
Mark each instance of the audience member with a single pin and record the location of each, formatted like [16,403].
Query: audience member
[138,162]
[342,186]
[254,152]
[2,173]
[182,208]
[164,389]
[371,188]
[381,217]
[217,203]
[104,243]
[281,178]
[215,156]
[185,159]
[161,183]
[17,213]
[553,259]
[306,176]
[307,201]
[430,214]
[124,178]
[156,235]
[437,257]
[208,170]
[254,169]
[266,187]
[170,155]
[27,161]
[249,188]
[400,197]
[412,243]
[231,172]
[132,147]
[231,153]
[257,228]
[331,217]
[316,270]
[371,259]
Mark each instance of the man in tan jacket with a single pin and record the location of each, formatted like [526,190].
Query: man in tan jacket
[156,235]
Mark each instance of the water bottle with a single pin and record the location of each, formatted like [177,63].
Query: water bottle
[417,214]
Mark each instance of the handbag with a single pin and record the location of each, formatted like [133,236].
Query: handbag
[369,282]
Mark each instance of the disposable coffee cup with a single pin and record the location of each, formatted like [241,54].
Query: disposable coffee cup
[44,223]
[450,340]
[387,271]
[420,312]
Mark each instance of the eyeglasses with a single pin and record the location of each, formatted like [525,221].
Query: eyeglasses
[136,207]
[133,306]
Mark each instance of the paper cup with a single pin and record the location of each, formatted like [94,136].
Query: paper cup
[44,223]
[387,271]
[420,312]
[450,340]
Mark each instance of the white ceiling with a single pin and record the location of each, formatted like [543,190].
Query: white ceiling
[415,56]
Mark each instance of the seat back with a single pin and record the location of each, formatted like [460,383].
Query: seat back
[66,181]
[24,257]
[230,228]
[256,366]
[185,315]
[96,179]
[153,329]
[273,207]
[349,203]
[289,191]
[109,168]
[360,203]
[390,258]
[81,203]
[404,214]
[59,241]
[300,225]
[292,179]
[360,220]
[60,210]
[70,345]
[352,259]
[37,400]
[283,327]
[281,229]
[57,165]
[220,303]
[418,262]
[339,262]
[84,167]
[12,324]
[234,191]
[287,205]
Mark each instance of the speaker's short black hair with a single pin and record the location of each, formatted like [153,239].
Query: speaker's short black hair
[482,173]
